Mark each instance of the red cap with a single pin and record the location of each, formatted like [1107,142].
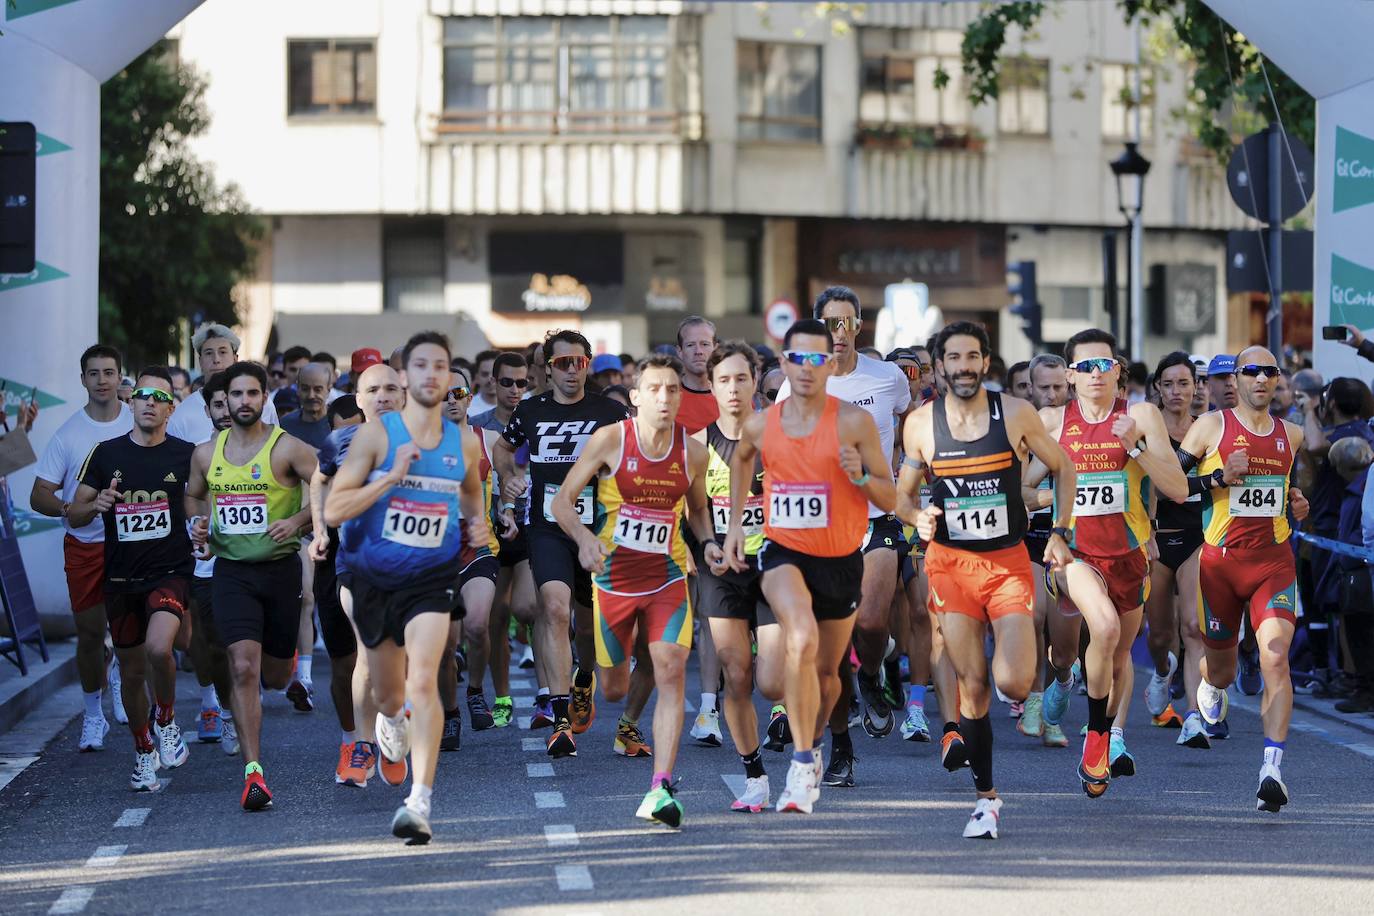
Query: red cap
[365,357]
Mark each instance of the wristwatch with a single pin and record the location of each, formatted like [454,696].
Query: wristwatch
[66,507]
[1135,452]
[1063,533]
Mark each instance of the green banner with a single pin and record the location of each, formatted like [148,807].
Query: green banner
[1354,183]
[26,522]
[1352,293]
[49,145]
[18,9]
[41,273]
[13,391]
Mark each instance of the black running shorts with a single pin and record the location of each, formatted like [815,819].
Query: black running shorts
[381,614]
[553,558]
[835,583]
[260,602]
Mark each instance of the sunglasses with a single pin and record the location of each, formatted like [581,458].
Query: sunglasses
[1101,364]
[460,393]
[569,363]
[157,394]
[771,394]
[1254,371]
[513,382]
[915,372]
[848,322]
[807,358]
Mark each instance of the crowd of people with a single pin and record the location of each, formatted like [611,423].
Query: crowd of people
[835,528]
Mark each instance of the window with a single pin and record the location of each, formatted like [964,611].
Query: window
[779,92]
[413,265]
[570,75]
[1118,109]
[1023,102]
[897,78]
[327,77]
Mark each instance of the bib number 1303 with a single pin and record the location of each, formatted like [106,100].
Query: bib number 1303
[241,514]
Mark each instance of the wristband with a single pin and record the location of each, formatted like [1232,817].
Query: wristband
[508,507]
[862,480]
[1063,534]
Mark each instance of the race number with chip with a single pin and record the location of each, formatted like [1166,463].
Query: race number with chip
[1100,493]
[753,515]
[976,518]
[799,505]
[585,504]
[1258,496]
[143,521]
[645,530]
[415,524]
[241,513]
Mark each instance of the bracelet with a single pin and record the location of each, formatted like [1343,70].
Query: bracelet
[862,480]
[508,507]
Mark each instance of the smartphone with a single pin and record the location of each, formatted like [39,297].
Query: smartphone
[1335,332]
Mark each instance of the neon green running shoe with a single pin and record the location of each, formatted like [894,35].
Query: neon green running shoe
[660,805]
[501,711]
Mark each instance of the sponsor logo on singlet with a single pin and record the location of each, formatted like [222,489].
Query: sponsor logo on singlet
[256,472]
[561,441]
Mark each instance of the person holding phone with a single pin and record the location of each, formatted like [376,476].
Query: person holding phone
[1352,337]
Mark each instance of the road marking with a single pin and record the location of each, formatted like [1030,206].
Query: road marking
[521,684]
[549,800]
[523,722]
[537,770]
[11,767]
[133,817]
[687,705]
[105,856]
[73,899]
[736,782]
[561,835]
[532,744]
[524,701]
[573,877]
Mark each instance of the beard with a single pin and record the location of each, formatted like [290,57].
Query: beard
[250,421]
[963,385]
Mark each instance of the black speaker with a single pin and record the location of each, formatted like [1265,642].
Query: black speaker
[18,152]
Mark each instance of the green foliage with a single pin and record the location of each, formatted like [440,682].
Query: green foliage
[173,243]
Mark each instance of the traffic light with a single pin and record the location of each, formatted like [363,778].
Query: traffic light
[1025,300]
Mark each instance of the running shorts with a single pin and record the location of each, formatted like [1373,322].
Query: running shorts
[553,558]
[1175,547]
[129,612]
[515,551]
[260,602]
[1264,581]
[884,533]
[85,567]
[381,614]
[835,583]
[986,586]
[1036,542]
[662,616]
[732,596]
[1127,577]
[335,628]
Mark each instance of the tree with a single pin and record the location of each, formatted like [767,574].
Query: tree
[173,243]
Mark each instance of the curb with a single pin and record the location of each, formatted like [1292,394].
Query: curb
[20,696]
[1362,721]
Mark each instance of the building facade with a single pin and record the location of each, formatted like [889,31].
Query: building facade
[509,166]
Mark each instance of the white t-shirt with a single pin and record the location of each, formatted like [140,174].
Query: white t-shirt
[881,389]
[479,405]
[191,422]
[66,454]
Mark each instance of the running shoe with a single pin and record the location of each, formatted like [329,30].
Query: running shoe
[1157,691]
[982,823]
[797,795]
[660,805]
[117,693]
[629,741]
[171,747]
[1218,730]
[706,728]
[230,742]
[1249,681]
[341,768]
[1193,734]
[1095,768]
[1272,794]
[1122,763]
[543,713]
[840,773]
[478,714]
[412,825]
[144,778]
[561,742]
[893,691]
[208,727]
[359,764]
[1211,702]
[93,732]
[502,711]
[1056,701]
[953,754]
[1016,708]
[914,726]
[256,795]
[1169,718]
[393,772]
[856,715]
[755,797]
[779,733]
[877,717]
[393,740]
[1032,722]
[301,695]
[527,660]
[1054,736]
[582,705]
[452,738]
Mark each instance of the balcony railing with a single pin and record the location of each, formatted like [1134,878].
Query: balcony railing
[581,124]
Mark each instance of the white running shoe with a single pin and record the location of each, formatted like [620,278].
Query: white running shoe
[93,732]
[172,748]
[144,778]
[229,742]
[411,824]
[1157,691]
[527,659]
[1272,794]
[1193,734]
[706,728]
[982,823]
[817,772]
[755,797]
[393,741]
[800,792]
[117,693]
[914,726]
[1211,702]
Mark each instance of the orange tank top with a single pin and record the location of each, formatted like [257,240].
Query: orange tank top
[809,504]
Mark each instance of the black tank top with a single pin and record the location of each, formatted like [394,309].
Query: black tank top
[977,485]
[1172,516]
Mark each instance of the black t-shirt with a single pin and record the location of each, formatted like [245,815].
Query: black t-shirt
[556,434]
[145,532]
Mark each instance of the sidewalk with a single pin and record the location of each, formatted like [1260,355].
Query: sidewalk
[21,695]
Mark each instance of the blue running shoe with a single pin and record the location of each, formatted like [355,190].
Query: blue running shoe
[1218,730]
[209,728]
[1056,701]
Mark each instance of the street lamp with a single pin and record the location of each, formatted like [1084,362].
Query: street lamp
[1129,169]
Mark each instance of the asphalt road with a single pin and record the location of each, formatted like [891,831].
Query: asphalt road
[518,833]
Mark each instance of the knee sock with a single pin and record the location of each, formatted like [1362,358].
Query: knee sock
[1273,752]
[977,735]
[753,764]
[1098,720]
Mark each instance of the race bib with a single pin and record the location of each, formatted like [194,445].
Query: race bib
[1102,493]
[753,515]
[415,524]
[1259,496]
[241,513]
[143,521]
[799,505]
[585,504]
[645,530]
[976,518]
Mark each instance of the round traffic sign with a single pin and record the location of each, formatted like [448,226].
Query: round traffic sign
[780,315]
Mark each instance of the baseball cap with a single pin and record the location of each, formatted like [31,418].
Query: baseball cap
[1221,364]
[606,362]
[365,357]
[666,350]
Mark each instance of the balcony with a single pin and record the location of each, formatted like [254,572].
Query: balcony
[911,172]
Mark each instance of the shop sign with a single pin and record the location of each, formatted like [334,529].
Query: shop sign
[665,294]
[559,293]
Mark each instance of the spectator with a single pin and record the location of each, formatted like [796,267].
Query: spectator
[1351,457]
[1307,384]
[1355,339]
[1221,382]
[1019,376]
[1283,396]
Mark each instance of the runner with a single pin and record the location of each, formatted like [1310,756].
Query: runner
[974,440]
[650,470]
[815,450]
[405,491]
[217,348]
[251,475]
[1119,453]
[55,483]
[136,484]
[1245,460]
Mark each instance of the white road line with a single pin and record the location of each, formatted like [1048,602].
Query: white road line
[73,899]
[532,744]
[561,835]
[687,705]
[524,701]
[105,856]
[736,782]
[520,684]
[537,770]
[523,722]
[549,800]
[573,877]
[11,767]
[133,817]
